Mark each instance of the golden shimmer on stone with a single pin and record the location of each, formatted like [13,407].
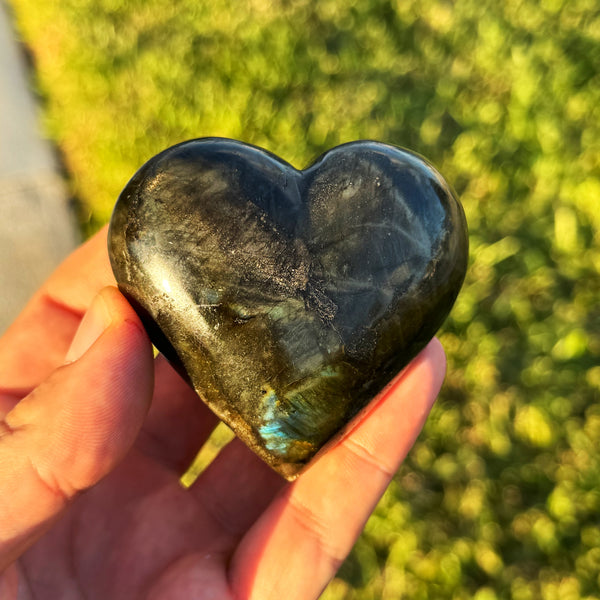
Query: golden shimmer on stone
[287,298]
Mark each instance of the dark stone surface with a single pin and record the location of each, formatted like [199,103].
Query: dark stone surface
[288,298]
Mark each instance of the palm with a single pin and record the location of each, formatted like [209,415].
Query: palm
[139,531]
[240,531]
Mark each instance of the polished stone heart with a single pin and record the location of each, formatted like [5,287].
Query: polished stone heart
[288,298]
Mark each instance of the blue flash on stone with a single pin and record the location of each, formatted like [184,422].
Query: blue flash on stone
[273,431]
[292,424]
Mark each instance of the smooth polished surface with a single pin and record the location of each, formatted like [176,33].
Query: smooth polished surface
[288,298]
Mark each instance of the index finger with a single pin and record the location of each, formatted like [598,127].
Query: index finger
[36,343]
[321,514]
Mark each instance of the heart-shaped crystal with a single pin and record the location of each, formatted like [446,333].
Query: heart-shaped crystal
[288,298]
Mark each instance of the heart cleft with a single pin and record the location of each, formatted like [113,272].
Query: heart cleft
[288,299]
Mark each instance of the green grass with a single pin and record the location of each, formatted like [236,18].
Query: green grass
[500,497]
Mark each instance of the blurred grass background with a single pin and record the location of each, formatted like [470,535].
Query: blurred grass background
[500,498]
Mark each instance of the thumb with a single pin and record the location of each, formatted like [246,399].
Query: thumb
[77,425]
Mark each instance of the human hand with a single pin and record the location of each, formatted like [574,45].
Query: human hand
[94,435]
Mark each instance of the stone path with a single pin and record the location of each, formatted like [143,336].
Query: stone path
[37,227]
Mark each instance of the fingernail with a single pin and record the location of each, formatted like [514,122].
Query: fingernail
[94,323]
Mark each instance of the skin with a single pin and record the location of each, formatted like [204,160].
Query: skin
[95,433]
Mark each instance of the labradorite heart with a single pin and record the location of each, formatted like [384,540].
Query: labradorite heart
[288,298]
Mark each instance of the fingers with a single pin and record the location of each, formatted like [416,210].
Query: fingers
[178,422]
[37,341]
[295,548]
[77,425]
